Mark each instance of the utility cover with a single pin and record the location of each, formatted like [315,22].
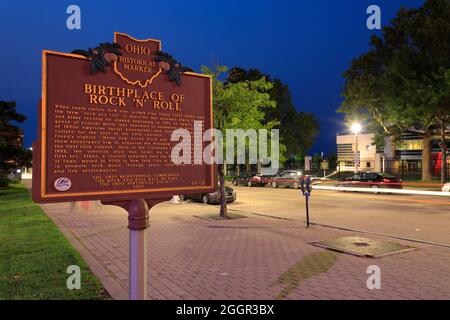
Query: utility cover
[364,247]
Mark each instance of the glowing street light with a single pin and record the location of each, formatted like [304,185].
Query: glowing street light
[356,129]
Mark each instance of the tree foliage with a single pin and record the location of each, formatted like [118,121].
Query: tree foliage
[401,83]
[297,129]
[240,105]
[12,154]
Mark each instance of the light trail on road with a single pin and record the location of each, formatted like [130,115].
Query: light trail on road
[387,190]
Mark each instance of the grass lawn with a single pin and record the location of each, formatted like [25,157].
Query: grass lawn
[34,254]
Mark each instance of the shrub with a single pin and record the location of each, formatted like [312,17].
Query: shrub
[4,182]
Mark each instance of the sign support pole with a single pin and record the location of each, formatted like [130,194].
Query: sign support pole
[138,216]
[138,222]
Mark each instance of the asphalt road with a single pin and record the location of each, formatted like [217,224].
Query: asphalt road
[424,218]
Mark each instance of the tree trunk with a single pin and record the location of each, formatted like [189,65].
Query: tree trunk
[225,168]
[391,161]
[426,154]
[223,202]
[444,151]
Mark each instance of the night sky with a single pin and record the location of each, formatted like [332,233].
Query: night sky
[305,44]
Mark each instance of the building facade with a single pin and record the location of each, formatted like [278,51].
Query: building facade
[402,157]
[369,159]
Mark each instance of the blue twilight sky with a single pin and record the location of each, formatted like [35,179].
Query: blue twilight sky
[307,44]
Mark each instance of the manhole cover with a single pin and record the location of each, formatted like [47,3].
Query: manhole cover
[364,247]
[361,244]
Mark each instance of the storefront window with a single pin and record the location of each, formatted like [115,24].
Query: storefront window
[410,145]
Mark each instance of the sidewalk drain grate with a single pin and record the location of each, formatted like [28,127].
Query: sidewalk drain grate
[363,247]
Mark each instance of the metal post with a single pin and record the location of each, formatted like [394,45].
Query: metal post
[339,170]
[307,210]
[356,153]
[138,216]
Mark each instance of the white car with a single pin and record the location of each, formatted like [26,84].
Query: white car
[446,187]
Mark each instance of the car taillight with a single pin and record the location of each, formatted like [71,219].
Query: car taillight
[391,181]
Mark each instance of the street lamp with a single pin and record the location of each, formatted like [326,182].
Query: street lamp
[356,129]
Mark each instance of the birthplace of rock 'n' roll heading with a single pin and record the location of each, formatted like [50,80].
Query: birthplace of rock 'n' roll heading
[105,124]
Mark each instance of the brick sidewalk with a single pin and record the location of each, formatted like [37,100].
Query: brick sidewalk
[251,258]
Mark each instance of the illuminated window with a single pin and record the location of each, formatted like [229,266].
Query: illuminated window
[410,145]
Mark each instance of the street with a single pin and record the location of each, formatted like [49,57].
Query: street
[267,254]
[415,217]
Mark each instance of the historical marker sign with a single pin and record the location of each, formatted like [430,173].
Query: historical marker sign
[324,165]
[138,65]
[105,130]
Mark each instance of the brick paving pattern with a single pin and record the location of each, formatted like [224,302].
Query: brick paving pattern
[253,258]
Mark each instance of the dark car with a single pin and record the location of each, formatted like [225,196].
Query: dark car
[242,179]
[372,180]
[288,178]
[211,198]
[251,179]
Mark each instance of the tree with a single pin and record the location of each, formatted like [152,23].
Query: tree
[239,105]
[399,85]
[438,95]
[12,154]
[332,160]
[297,129]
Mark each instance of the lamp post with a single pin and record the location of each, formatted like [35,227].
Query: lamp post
[356,129]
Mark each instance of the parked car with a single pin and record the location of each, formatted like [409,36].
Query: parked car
[288,178]
[372,180]
[446,187]
[211,198]
[242,179]
[251,179]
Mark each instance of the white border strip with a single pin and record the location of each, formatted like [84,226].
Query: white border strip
[384,190]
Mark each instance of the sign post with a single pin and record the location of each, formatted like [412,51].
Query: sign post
[138,264]
[324,165]
[109,129]
[138,223]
